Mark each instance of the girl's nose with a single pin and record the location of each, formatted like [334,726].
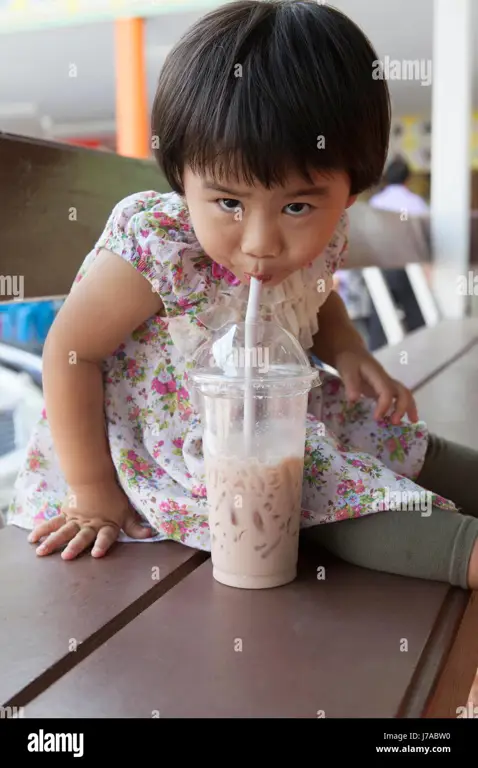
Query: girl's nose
[261,247]
[261,238]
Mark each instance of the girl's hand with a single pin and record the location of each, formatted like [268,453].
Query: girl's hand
[95,515]
[362,374]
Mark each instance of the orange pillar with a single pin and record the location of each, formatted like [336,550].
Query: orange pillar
[132,113]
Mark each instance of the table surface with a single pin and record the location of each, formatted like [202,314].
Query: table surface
[148,632]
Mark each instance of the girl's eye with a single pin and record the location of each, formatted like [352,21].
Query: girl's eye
[296,206]
[232,204]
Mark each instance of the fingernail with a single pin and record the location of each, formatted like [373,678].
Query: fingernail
[41,549]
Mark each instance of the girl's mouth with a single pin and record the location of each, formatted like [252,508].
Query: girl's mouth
[261,278]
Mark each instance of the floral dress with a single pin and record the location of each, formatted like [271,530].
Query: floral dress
[154,431]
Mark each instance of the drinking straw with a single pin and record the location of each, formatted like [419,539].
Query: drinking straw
[252,314]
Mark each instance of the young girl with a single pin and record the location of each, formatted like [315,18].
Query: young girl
[268,121]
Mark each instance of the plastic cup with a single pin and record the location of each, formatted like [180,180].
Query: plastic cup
[254,487]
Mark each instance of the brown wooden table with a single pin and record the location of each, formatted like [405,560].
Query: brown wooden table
[357,644]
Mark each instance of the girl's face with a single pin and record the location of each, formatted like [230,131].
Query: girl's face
[267,233]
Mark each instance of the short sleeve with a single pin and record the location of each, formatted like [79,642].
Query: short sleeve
[147,230]
[338,246]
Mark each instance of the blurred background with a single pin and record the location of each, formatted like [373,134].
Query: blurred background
[58,70]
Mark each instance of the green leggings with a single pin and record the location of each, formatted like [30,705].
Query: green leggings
[406,542]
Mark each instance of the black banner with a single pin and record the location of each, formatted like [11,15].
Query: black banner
[92,740]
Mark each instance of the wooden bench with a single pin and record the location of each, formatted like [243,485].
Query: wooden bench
[147,632]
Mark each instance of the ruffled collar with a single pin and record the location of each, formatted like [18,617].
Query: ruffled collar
[293,304]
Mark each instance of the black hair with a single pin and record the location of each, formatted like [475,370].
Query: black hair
[397,172]
[251,87]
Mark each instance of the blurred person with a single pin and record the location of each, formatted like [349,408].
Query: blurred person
[396,196]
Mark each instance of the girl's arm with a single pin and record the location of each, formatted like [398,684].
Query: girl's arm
[102,310]
[336,331]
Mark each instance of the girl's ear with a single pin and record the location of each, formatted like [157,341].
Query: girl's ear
[351,200]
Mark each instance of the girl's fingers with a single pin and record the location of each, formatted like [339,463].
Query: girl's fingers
[45,528]
[105,539]
[134,527]
[405,405]
[401,405]
[83,539]
[412,410]
[352,384]
[58,539]
[384,391]
[385,400]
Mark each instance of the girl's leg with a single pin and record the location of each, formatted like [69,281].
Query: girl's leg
[451,470]
[442,546]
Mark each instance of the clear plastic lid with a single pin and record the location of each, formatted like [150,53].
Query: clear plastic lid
[262,355]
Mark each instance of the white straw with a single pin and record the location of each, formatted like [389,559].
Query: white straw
[252,315]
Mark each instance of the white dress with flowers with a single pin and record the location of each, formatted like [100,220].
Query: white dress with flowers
[154,432]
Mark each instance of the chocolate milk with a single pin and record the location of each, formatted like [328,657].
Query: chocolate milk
[254,519]
[253,420]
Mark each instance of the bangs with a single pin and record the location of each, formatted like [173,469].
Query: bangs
[271,88]
[250,142]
